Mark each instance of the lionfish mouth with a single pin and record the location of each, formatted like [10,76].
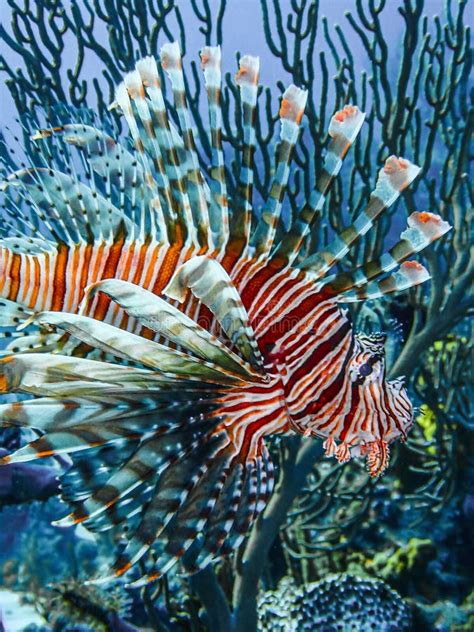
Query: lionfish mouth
[185,328]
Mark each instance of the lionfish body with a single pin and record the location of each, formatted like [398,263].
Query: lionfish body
[228,334]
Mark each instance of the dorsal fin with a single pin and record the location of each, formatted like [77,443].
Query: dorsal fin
[344,127]
[241,220]
[291,112]
[171,63]
[393,178]
[218,212]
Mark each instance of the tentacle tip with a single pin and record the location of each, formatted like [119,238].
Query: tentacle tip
[346,122]
[170,56]
[68,521]
[248,71]
[41,134]
[144,581]
[415,272]
[30,320]
[400,172]
[99,581]
[293,104]
[431,225]
[210,57]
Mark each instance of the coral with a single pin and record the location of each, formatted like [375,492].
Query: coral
[405,563]
[74,602]
[338,602]
[22,483]
[442,616]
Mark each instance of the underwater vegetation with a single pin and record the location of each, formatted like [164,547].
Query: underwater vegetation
[171,421]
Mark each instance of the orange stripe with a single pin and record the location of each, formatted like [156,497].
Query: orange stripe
[60,277]
[72,277]
[36,282]
[25,282]
[109,273]
[141,260]
[138,272]
[4,260]
[151,267]
[85,270]
[14,276]
[46,284]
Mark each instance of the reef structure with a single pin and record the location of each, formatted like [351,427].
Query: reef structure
[337,603]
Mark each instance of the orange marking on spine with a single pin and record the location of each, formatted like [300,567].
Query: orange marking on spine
[45,453]
[347,111]
[79,520]
[3,384]
[246,75]
[289,111]
[123,569]
[425,217]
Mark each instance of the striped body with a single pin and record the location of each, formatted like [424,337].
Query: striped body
[184,332]
[307,342]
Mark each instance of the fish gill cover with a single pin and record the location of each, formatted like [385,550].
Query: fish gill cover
[169,285]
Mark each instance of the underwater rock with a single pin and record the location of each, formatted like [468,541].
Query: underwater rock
[442,616]
[23,483]
[337,603]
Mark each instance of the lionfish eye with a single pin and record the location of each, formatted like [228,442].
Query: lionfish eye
[365,369]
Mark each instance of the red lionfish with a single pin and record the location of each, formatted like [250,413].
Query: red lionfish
[229,334]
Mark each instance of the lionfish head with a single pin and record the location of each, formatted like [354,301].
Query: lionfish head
[369,411]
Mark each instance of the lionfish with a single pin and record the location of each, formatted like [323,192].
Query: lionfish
[176,330]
